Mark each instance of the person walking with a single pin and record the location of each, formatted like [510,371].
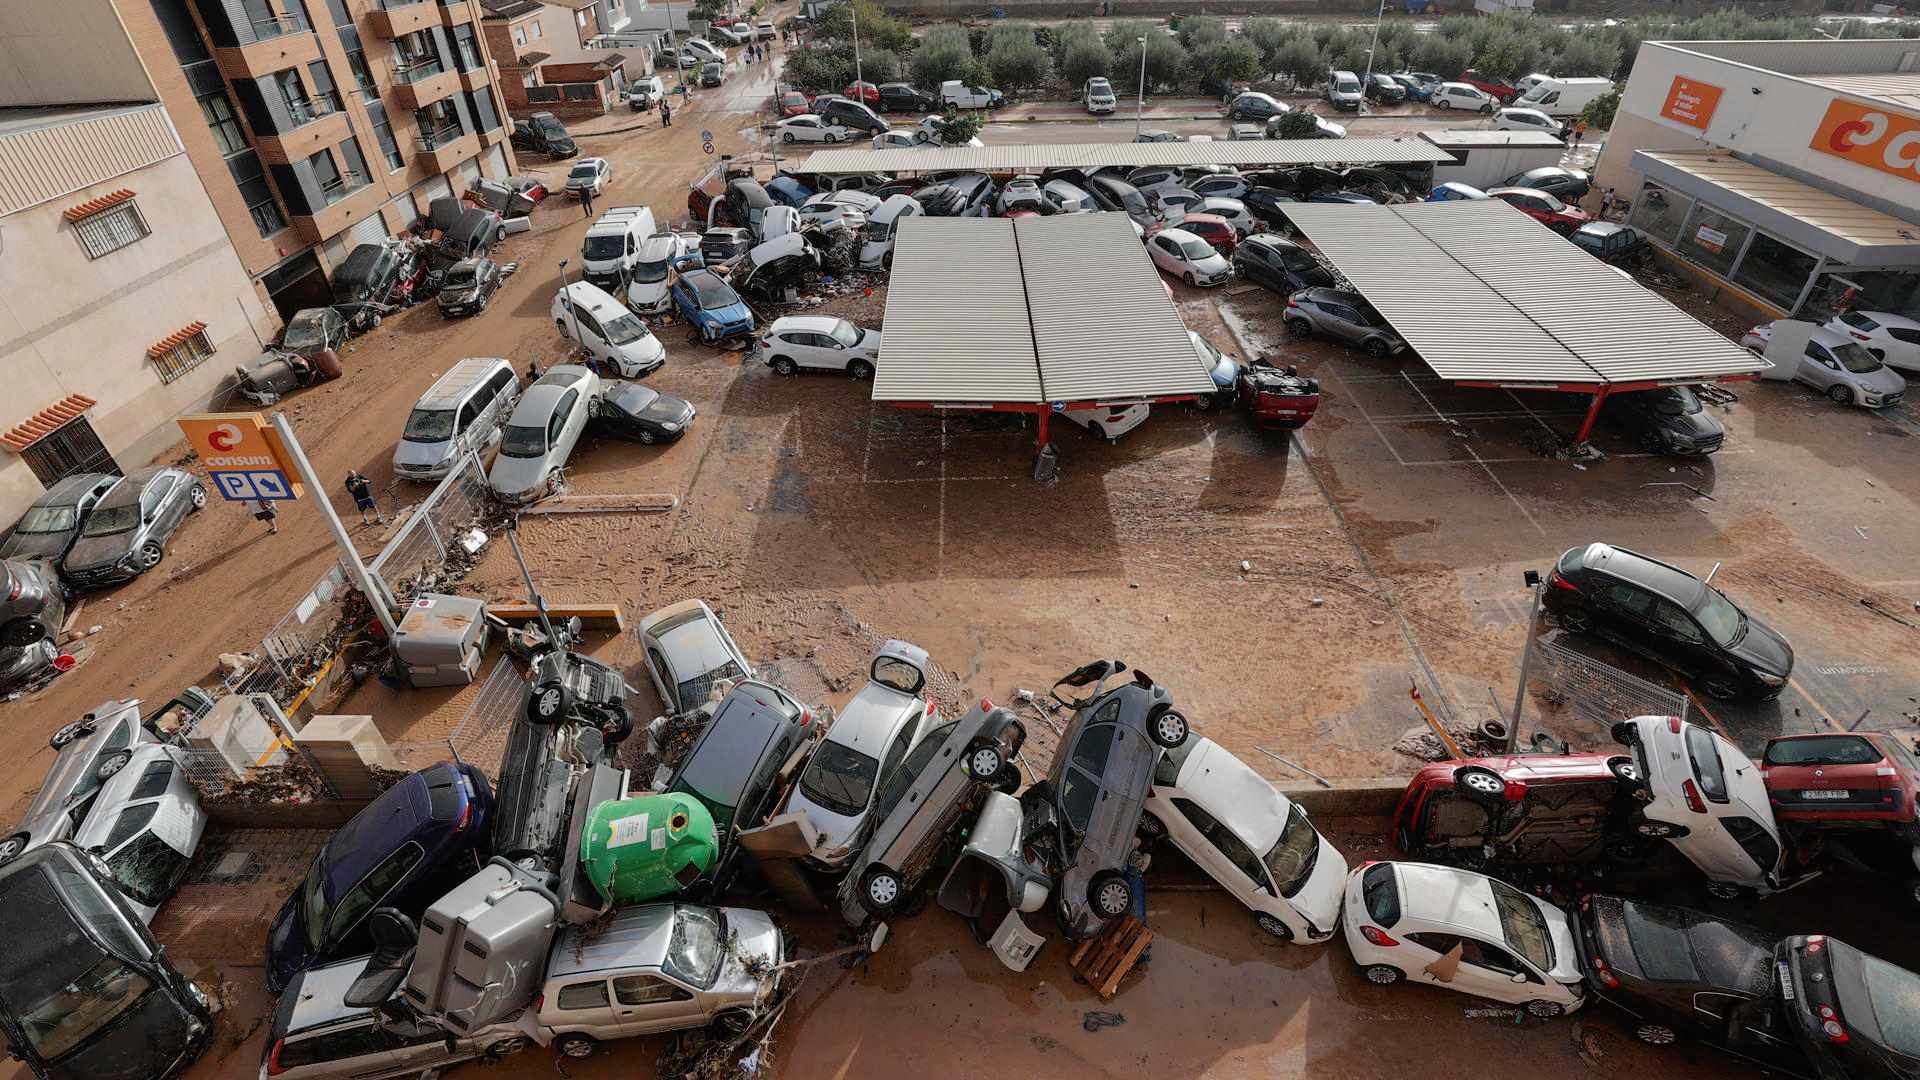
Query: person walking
[586,201]
[361,489]
[1606,204]
[1579,131]
[533,371]
[666,115]
[264,510]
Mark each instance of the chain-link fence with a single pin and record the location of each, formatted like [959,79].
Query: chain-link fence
[301,642]
[414,560]
[1569,685]
[480,738]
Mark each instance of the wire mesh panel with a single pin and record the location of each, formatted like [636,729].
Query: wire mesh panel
[1575,685]
[480,738]
[415,559]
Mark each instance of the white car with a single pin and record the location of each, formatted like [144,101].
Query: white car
[810,128]
[876,238]
[89,753]
[706,50]
[146,824]
[850,206]
[615,337]
[896,139]
[591,174]
[1172,201]
[652,277]
[1895,339]
[687,650]
[1233,210]
[1457,95]
[864,746]
[1189,258]
[1707,799]
[1020,193]
[1441,926]
[1109,422]
[732,35]
[822,343]
[542,432]
[1099,96]
[1525,120]
[1220,185]
[1252,840]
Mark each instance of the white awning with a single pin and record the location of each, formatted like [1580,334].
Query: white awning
[1036,310]
[1486,294]
[1243,153]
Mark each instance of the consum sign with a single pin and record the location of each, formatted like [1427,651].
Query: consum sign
[1867,135]
[1691,102]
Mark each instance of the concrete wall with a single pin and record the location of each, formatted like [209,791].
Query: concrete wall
[74,325]
[65,52]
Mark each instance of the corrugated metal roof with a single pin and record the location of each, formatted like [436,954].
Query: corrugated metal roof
[1485,293]
[1244,153]
[1475,137]
[1803,58]
[1900,88]
[1805,214]
[956,322]
[1103,322]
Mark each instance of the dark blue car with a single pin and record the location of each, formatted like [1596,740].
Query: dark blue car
[404,850]
[788,192]
[709,303]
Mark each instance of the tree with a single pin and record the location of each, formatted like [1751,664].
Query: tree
[1017,60]
[1296,124]
[1269,35]
[1507,56]
[1165,60]
[1217,65]
[1085,59]
[958,128]
[878,30]
[1067,35]
[1441,55]
[945,54]
[1586,57]
[879,65]
[1300,62]
[1600,111]
[1198,30]
[821,67]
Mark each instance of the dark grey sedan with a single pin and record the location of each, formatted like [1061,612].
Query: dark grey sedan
[127,532]
[1567,185]
[469,285]
[49,526]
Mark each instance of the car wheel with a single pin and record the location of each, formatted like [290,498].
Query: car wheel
[1298,327]
[1205,403]
[1273,926]
[1545,1010]
[550,703]
[1721,688]
[506,1047]
[1480,784]
[1660,830]
[1188,278]
[985,762]
[1575,620]
[111,765]
[649,438]
[733,1023]
[1655,1034]
[784,366]
[1109,894]
[860,370]
[786,136]
[69,732]
[880,890]
[1487,108]
[23,632]
[1443,103]
[1624,769]
[197,495]
[575,1045]
[150,554]
[1840,395]
[832,138]
[1376,348]
[11,848]
[1168,729]
[1651,442]
[1097,432]
[1722,890]
[1384,974]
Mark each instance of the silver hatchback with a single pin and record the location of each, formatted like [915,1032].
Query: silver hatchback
[126,534]
[1342,315]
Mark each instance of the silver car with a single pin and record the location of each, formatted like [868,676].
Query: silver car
[542,432]
[688,649]
[657,967]
[316,1035]
[146,823]
[82,768]
[1839,367]
[1342,315]
[127,532]
[52,523]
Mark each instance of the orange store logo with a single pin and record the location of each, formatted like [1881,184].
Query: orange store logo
[1691,102]
[1865,135]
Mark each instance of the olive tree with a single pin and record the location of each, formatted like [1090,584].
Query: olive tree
[1017,60]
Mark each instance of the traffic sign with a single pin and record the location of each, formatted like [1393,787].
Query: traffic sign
[250,484]
[708,147]
[243,455]
[1059,406]
[706,136]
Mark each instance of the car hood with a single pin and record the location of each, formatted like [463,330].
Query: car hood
[1319,898]
[732,313]
[517,479]
[1566,955]
[1213,264]
[648,292]
[1314,278]
[1692,426]
[1764,648]
[94,551]
[35,545]
[755,941]
[836,829]
[1882,381]
[409,452]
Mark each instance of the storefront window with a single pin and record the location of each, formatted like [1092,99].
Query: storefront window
[1774,270]
[1711,239]
[1659,212]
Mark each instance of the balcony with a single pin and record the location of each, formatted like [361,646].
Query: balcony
[395,18]
[347,202]
[476,77]
[455,12]
[420,83]
[326,127]
[441,150]
[295,48]
[279,26]
[342,187]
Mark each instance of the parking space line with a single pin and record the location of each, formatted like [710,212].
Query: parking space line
[1361,409]
[1524,512]
[1529,412]
[1820,710]
[1711,719]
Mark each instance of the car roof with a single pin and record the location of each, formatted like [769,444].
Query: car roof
[1888,318]
[593,298]
[319,996]
[1601,228]
[697,642]
[1669,581]
[1515,189]
[1227,788]
[1445,896]
[379,828]
[1180,236]
[873,717]
[68,490]
[815,323]
[1832,339]
[115,794]
[127,492]
[1338,296]
[631,937]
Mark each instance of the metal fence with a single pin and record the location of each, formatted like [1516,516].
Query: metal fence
[1571,685]
[480,738]
[300,643]
[415,559]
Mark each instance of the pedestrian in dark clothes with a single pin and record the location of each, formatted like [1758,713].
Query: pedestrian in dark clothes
[666,115]
[533,371]
[263,510]
[586,201]
[361,489]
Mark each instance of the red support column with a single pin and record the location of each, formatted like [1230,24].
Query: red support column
[1593,413]
[1045,414]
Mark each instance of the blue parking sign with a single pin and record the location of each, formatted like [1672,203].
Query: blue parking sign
[245,485]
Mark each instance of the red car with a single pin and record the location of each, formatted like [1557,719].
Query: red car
[1542,207]
[1214,229]
[1526,809]
[1502,91]
[1859,778]
[863,91]
[793,103]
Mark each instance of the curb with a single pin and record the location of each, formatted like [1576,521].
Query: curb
[1364,796]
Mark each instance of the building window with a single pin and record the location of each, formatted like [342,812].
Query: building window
[580,17]
[466,48]
[223,123]
[1712,239]
[362,75]
[1774,270]
[327,174]
[1659,212]
[324,94]
[254,191]
[357,174]
[519,35]
[111,229]
[383,131]
[531,78]
[189,353]
[538,31]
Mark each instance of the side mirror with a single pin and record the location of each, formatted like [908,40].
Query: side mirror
[1519,977]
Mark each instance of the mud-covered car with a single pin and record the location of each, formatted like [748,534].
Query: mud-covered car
[31,612]
[80,770]
[575,717]
[1519,810]
[1083,818]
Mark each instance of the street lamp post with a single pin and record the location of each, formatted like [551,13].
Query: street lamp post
[572,311]
[1367,79]
[854,10]
[1140,102]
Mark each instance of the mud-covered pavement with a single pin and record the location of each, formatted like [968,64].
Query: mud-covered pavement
[1383,543]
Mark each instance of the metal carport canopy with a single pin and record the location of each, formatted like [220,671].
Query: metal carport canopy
[1240,153]
[1486,294]
[955,327]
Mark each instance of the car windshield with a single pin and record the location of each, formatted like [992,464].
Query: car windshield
[1822,750]
[605,247]
[1678,401]
[1196,249]
[61,1009]
[47,519]
[313,903]
[694,954]
[847,334]
[1705,757]
[1524,926]
[1552,203]
[1295,259]
[583,172]
[147,868]
[429,425]
[524,442]
[1855,358]
[305,331]
[624,328]
[713,292]
[650,272]
[694,691]
[840,778]
[113,519]
[879,232]
[1293,855]
[1209,355]
[1723,622]
[1892,999]
[1346,85]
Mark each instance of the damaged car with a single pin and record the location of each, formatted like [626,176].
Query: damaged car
[146,823]
[52,523]
[1518,810]
[712,306]
[1709,800]
[628,410]
[740,763]
[30,618]
[126,534]
[775,266]
[688,651]
[114,731]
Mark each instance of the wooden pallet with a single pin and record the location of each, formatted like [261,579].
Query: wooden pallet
[1105,960]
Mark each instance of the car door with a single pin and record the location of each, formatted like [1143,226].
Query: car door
[563,431]
[1424,948]
[823,352]
[584,1003]
[1166,254]
[350,912]
[1492,972]
[1346,322]
[1222,854]
[1820,370]
[646,1003]
[664,679]
[1622,611]
[1683,643]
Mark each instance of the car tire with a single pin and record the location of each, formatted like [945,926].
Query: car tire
[1110,894]
[150,554]
[1625,771]
[1651,442]
[1188,278]
[1575,620]
[733,1023]
[110,766]
[1151,826]
[1008,780]
[1480,784]
[1205,403]
[832,138]
[197,496]
[1724,890]
[550,704]
[1720,688]
[68,732]
[1168,728]
[880,891]
[575,1045]
[785,366]
[1660,830]
[1274,928]
[648,438]
[12,847]
[22,632]
[860,370]
[1376,348]
[1383,974]
[1098,432]
[1298,327]
[1443,103]
[1487,109]
[1839,395]
[1656,1034]
[985,761]
[1545,1010]
[786,136]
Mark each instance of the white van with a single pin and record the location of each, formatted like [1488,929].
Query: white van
[613,244]
[611,334]
[462,410]
[1564,97]
[876,238]
[645,93]
[958,95]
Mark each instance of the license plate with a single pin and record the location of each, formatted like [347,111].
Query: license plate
[1829,794]
[1786,980]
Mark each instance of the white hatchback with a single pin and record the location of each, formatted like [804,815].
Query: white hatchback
[146,824]
[1109,422]
[586,314]
[1707,799]
[1895,339]
[1525,120]
[810,128]
[1252,840]
[1454,95]
[649,284]
[1189,258]
[822,343]
[1441,926]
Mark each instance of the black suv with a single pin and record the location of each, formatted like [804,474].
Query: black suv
[1280,265]
[1669,616]
[1612,242]
[734,768]
[903,97]
[1666,420]
[851,114]
[544,133]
